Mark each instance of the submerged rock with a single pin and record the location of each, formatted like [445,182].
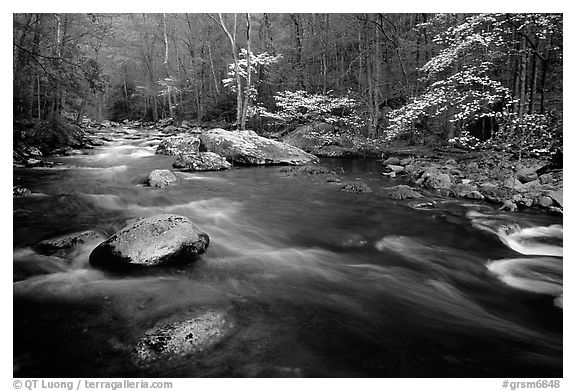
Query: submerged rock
[201,161]
[171,340]
[152,241]
[175,145]
[161,178]
[309,170]
[65,242]
[356,187]
[244,148]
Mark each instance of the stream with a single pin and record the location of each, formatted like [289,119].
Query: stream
[319,282]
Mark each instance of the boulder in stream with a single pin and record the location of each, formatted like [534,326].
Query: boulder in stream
[248,149]
[355,187]
[321,139]
[175,145]
[152,241]
[173,339]
[201,161]
[161,178]
[66,242]
[527,174]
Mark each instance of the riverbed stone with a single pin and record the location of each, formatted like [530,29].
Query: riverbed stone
[176,145]
[474,195]
[557,196]
[527,174]
[170,129]
[66,242]
[396,169]
[165,239]
[394,161]
[406,161]
[402,192]
[509,206]
[435,180]
[356,187]
[201,161]
[253,150]
[161,178]
[175,339]
[545,201]
[321,139]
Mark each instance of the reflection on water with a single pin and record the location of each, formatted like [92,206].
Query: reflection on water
[319,282]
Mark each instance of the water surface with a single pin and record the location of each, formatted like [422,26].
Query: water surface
[319,282]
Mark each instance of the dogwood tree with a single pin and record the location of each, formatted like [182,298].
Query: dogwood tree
[467,79]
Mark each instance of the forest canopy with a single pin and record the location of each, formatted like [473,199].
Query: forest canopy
[461,78]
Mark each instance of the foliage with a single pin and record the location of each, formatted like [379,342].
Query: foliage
[467,80]
[533,133]
[463,97]
[449,71]
[303,107]
[258,62]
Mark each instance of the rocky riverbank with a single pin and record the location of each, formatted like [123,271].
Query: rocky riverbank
[499,177]
[494,176]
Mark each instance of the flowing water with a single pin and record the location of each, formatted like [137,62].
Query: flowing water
[319,282]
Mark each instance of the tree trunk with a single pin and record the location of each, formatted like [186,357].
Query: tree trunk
[325,56]
[56,103]
[533,83]
[301,74]
[249,74]
[232,39]
[523,72]
[167,70]
[376,99]
[39,108]
[213,70]
[544,72]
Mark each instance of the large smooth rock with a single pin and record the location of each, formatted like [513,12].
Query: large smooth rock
[66,242]
[527,174]
[433,179]
[395,169]
[152,241]
[391,160]
[320,139]
[161,178]
[247,149]
[174,339]
[175,145]
[201,161]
